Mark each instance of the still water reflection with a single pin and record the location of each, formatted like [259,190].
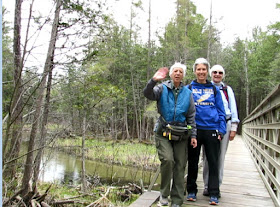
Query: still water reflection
[60,167]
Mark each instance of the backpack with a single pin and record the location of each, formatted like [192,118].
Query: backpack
[224,89]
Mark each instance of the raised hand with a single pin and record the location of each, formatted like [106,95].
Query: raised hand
[160,74]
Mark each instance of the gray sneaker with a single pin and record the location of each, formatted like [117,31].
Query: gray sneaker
[205,192]
[163,201]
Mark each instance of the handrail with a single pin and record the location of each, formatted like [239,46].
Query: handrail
[261,132]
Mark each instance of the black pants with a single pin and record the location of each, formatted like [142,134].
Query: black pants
[208,138]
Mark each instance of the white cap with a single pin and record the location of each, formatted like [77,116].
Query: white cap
[201,61]
[217,68]
[178,65]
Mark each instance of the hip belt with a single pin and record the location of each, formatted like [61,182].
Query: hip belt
[172,131]
[176,133]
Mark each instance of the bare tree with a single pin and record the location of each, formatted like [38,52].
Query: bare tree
[145,119]
[84,181]
[209,34]
[43,130]
[48,66]
[246,78]
[15,112]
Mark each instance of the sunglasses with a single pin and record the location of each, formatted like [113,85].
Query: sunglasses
[220,72]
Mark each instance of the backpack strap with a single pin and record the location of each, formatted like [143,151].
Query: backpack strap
[215,90]
[224,88]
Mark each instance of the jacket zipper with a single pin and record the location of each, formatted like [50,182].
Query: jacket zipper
[176,97]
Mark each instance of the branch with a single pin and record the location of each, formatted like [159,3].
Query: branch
[79,196]
[13,197]
[95,203]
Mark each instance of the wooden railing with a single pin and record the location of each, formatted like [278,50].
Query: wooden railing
[261,132]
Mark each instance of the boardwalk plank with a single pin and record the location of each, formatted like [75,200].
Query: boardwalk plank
[146,199]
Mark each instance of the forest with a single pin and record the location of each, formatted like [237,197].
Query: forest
[91,82]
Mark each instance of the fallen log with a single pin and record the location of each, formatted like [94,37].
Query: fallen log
[63,202]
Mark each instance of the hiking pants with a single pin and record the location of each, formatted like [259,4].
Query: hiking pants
[173,158]
[224,146]
[209,139]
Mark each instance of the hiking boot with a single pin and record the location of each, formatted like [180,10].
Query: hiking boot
[163,201]
[205,192]
[213,200]
[191,197]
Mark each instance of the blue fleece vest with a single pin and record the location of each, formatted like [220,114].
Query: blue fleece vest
[172,111]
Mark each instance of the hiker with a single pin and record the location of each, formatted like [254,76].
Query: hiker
[211,126]
[174,127]
[217,74]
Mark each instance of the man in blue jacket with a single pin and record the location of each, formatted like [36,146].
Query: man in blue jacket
[177,111]
[211,126]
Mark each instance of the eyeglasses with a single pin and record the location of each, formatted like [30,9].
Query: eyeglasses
[220,72]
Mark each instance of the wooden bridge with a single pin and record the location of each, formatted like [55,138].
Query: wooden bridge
[252,164]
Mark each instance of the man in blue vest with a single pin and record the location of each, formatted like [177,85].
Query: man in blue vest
[174,127]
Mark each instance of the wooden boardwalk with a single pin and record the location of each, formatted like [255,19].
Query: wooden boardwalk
[242,185]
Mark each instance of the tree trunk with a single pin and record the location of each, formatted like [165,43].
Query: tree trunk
[113,125]
[84,184]
[209,34]
[15,113]
[144,118]
[132,72]
[43,131]
[125,119]
[246,79]
[48,66]
[186,50]
[134,103]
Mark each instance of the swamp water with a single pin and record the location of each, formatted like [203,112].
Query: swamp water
[60,167]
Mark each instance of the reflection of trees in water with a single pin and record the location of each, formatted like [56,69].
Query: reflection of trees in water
[72,178]
[68,178]
[96,173]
